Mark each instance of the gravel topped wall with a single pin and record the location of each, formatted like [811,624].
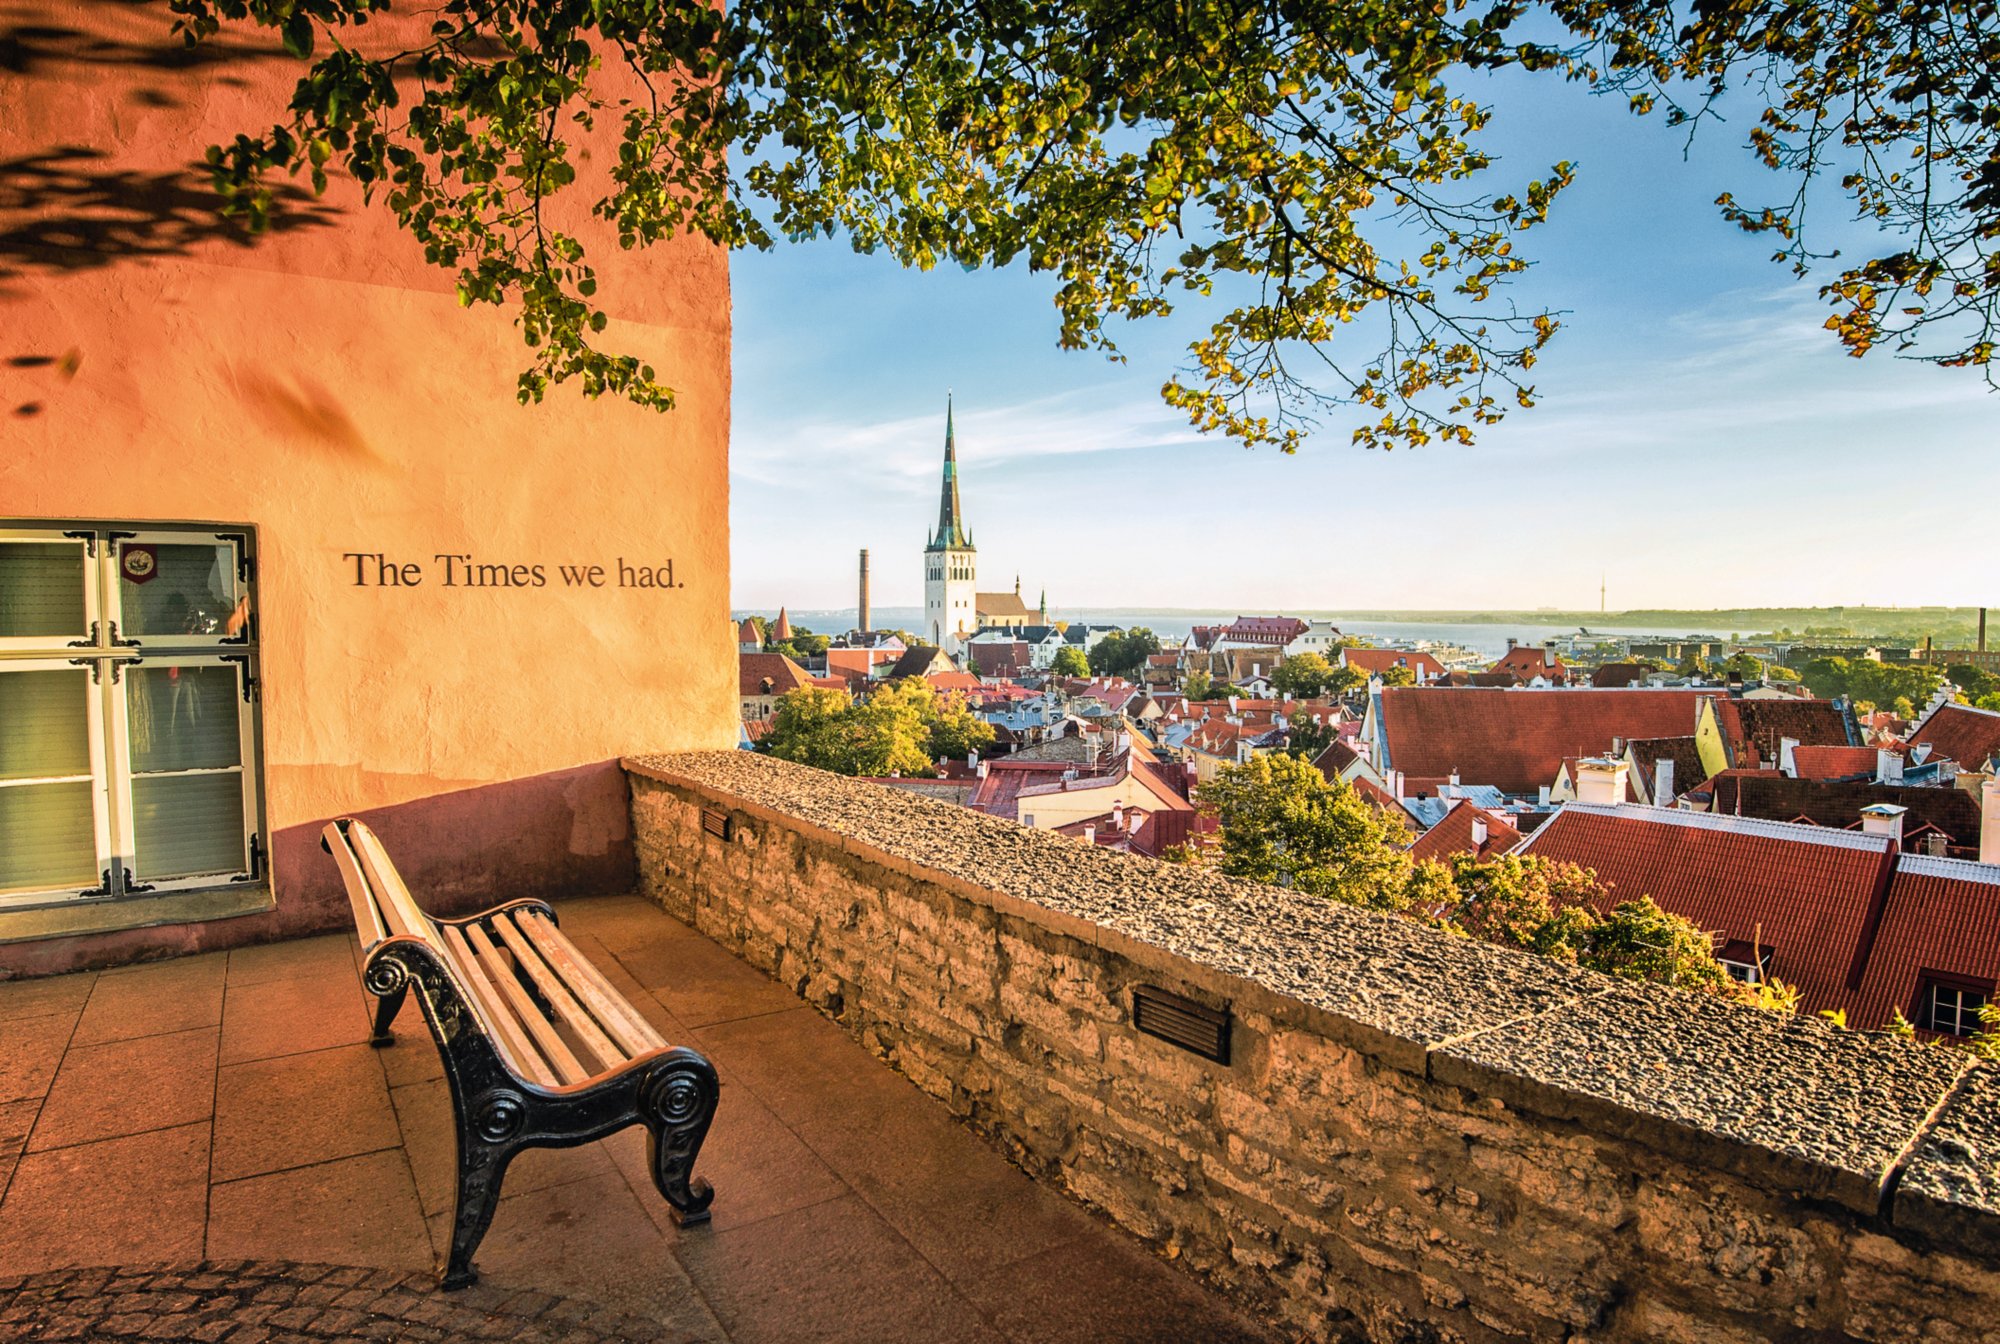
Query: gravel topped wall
[1415,1137]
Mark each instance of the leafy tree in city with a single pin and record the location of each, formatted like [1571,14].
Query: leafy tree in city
[1524,902]
[1124,654]
[1640,941]
[1281,821]
[1743,667]
[1303,676]
[1988,701]
[899,729]
[1875,683]
[1070,662]
[1346,681]
[1313,173]
[955,731]
[1305,738]
[803,644]
[1196,684]
[1399,676]
[1973,683]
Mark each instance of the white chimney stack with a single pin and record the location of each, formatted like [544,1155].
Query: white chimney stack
[1479,832]
[1090,835]
[1663,782]
[1884,819]
[1888,766]
[1788,761]
[1601,780]
[1989,823]
[1118,815]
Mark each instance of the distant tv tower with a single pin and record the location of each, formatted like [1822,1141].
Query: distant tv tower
[1600,594]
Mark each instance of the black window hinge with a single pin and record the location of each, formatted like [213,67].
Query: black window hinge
[246,568]
[251,690]
[256,860]
[89,540]
[96,666]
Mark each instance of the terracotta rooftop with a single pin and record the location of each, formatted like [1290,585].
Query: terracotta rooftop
[1517,740]
[1838,803]
[1526,661]
[1810,896]
[1834,762]
[1753,731]
[1646,753]
[1961,733]
[1377,661]
[1453,834]
[768,674]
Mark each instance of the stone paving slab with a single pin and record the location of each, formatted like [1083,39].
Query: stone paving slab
[849,1205]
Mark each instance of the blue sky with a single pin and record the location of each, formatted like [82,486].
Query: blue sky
[1700,441]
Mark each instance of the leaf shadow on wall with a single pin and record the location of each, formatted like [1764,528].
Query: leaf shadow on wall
[69,209]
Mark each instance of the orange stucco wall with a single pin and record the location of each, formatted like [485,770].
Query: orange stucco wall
[324,386]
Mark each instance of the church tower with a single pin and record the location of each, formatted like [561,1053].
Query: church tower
[950,562]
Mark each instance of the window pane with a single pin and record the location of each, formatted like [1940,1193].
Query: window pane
[182,718]
[187,825]
[44,723]
[41,590]
[176,590]
[47,837]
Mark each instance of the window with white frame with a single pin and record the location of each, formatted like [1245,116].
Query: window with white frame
[1951,1005]
[128,712]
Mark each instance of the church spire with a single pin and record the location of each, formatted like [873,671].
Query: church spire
[951,521]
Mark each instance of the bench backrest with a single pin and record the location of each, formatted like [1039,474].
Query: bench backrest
[384,909]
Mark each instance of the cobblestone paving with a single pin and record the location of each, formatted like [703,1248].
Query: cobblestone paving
[257,1302]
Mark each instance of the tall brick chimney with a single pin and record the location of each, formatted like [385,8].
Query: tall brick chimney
[861,621]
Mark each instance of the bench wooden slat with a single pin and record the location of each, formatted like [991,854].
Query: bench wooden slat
[573,1014]
[367,919]
[554,1049]
[406,918]
[514,1046]
[634,1032]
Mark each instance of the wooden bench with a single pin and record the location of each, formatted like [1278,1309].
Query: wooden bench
[539,1050]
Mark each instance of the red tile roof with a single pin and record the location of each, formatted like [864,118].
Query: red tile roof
[1954,812]
[1961,733]
[1646,753]
[954,681]
[1834,762]
[1265,629]
[1809,895]
[1517,740]
[1453,835]
[753,670]
[1754,730]
[1942,915]
[1377,661]
[1384,802]
[998,658]
[1526,661]
[1619,674]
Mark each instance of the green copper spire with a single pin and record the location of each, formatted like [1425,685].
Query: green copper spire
[951,534]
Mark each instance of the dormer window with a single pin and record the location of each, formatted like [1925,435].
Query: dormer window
[1950,1004]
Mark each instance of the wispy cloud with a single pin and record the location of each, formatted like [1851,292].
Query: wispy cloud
[901,453]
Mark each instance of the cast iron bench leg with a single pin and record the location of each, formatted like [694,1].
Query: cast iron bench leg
[480,1169]
[386,1009]
[677,1106]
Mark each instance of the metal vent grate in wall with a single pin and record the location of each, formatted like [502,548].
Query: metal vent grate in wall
[715,823]
[1182,1022]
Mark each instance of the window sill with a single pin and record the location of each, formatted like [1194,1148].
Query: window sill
[140,912]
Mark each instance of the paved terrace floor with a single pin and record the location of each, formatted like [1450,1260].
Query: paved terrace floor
[224,1111]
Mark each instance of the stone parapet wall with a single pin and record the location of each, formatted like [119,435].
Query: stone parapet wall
[1416,1137]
